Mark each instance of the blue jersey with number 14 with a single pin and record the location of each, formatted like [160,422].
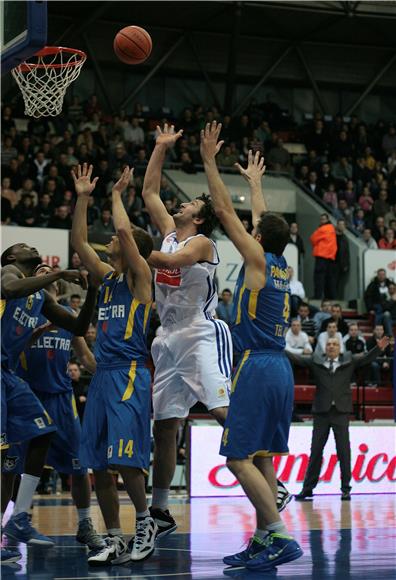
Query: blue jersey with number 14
[261,317]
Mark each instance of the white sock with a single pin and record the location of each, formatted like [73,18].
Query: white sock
[260,533]
[83,513]
[277,528]
[160,498]
[115,532]
[144,514]
[26,490]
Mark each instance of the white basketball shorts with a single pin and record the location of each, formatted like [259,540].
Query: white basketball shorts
[193,363]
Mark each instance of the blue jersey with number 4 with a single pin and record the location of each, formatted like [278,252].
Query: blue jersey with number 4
[261,317]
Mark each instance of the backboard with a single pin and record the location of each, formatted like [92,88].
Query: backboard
[24,30]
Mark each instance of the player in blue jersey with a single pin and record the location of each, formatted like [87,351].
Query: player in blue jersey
[43,364]
[23,417]
[116,427]
[261,404]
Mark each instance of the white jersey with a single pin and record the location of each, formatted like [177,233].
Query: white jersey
[185,293]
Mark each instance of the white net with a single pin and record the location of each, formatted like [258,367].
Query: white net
[43,80]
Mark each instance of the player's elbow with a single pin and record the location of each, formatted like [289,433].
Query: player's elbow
[8,291]
[221,212]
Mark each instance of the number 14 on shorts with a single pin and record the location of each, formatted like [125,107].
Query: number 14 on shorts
[125,447]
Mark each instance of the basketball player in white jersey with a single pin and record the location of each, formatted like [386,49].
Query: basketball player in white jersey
[193,354]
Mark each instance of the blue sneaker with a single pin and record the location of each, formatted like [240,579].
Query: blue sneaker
[20,529]
[279,550]
[255,546]
[9,556]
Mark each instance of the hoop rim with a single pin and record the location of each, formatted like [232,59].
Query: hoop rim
[52,50]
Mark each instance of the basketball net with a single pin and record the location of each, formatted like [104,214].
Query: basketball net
[44,78]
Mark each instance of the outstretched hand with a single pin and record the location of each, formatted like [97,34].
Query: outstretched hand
[255,169]
[210,146]
[167,135]
[82,181]
[124,181]
[383,342]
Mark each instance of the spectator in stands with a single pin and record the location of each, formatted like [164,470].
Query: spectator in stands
[366,200]
[343,212]
[325,178]
[336,315]
[342,170]
[227,158]
[296,239]
[28,189]
[323,314]
[330,332]
[381,205]
[25,213]
[278,159]
[297,341]
[93,212]
[389,141]
[342,258]
[369,240]
[104,225]
[134,205]
[61,219]
[331,408]
[390,217]
[75,303]
[187,164]
[307,323]
[389,241]
[8,193]
[378,230]
[352,341]
[134,134]
[79,389]
[377,294]
[324,248]
[389,310]
[6,211]
[297,292]
[225,306]
[40,162]
[8,151]
[359,221]
[330,197]
[90,336]
[313,185]
[383,360]
[45,211]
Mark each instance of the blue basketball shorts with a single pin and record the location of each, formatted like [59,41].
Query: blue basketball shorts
[116,425]
[23,417]
[63,453]
[261,406]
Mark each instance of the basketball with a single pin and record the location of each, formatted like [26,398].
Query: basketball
[132,45]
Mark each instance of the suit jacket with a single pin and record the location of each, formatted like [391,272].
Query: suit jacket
[334,386]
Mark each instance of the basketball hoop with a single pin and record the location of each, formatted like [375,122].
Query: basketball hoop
[44,78]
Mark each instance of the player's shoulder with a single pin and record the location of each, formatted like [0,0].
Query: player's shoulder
[11,269]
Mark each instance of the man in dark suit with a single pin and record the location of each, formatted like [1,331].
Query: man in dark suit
[332,405]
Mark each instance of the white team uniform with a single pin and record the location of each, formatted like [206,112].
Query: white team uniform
[193,353]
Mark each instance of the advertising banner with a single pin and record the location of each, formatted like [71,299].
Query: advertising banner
[374,259]
[373,451]
[52,244]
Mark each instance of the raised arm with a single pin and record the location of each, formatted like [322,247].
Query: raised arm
[197,250]
[253,174]
[15,285]
[84,355]
[299,359]
[59,316]
[137,265]
[152,180]
[366,358]
[250,248]
[79,234]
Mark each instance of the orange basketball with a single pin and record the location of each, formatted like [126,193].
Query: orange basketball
[132,44]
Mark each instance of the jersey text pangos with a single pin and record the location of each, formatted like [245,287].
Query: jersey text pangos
[53,343]
[115,311]
[277,272]
[24,319]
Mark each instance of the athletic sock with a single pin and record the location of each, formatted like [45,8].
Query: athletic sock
[277,528]
[83,513]
[261,534]
[115,532]
[160,498]
[140,515]
[26,491]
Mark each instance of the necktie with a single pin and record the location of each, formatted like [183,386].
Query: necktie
[331,367]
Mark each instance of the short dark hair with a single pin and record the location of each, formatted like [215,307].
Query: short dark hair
[305,304]
[75,296]
[336,305]
[208,215]
[274,231]
[6,254]
[325,214]
[143,241]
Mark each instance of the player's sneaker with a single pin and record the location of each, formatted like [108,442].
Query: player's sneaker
[143,544]
[9,555]
[283,498]
[279,550]
[115,551]
[165,522]
[86,534]
[19,528]
[255,546]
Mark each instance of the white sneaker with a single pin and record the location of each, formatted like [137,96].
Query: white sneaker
[115,551]
[143,543]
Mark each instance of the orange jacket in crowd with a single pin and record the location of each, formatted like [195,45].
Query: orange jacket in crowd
[324,242]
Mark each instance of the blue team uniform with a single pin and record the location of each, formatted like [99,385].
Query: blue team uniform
[262,392]
[116,426]
[23,417]
[44,366]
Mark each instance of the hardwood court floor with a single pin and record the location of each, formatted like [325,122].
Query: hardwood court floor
[341,541]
